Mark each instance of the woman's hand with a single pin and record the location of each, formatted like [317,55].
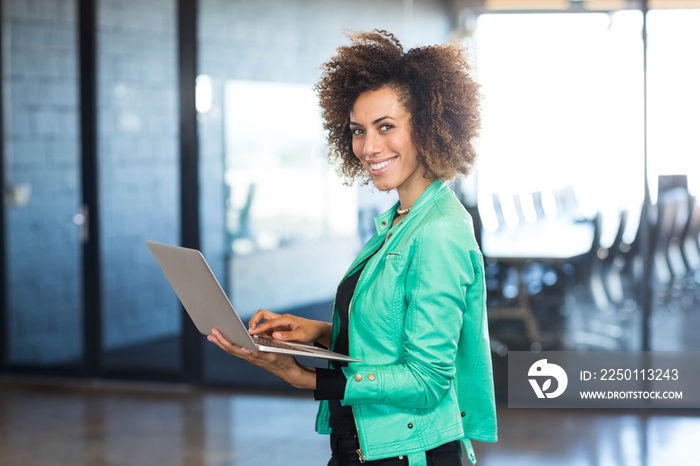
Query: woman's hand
[290,328]
[283,366]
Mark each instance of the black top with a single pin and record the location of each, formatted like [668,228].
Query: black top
[330,383]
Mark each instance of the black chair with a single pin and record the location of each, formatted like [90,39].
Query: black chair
[627,262]
[498,210]
[676,261]
[605,288]
[567,202]
[662,232]
[690,242]
[243,228]
[537,202]
[612,281]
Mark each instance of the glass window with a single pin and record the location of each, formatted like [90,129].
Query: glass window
[673,95]
[287,211]
[561,166]
[673,147]
[564,112]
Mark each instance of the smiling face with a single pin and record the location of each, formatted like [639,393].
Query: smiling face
[382,141]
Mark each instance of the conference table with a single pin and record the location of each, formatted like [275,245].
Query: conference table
[552,241]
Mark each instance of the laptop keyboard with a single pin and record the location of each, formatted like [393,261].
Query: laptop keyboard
[278,344]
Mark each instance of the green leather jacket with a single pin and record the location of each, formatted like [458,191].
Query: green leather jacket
[418,322]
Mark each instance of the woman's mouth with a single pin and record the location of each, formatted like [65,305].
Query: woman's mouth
[377,168]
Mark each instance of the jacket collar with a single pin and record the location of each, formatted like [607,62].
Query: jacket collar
[435,190]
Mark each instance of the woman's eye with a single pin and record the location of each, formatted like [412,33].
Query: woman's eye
[356,131]
[386,127]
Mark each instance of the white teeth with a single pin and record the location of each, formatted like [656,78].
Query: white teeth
[380,165]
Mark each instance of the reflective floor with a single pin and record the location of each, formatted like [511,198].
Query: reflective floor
[110,424]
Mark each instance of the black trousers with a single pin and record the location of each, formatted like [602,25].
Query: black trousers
[344,453]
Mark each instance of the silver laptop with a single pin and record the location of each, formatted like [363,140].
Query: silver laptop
[209,307]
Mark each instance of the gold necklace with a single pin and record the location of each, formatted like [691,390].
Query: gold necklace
[400,211]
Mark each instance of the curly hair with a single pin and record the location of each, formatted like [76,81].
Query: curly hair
[433,84]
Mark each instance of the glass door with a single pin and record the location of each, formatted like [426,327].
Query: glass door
[138,184]
[43,217]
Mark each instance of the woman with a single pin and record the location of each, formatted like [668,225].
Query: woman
[412,305]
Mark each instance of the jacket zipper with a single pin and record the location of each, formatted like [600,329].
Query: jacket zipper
[359,454]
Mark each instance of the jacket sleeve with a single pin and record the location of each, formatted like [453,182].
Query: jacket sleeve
[437,280]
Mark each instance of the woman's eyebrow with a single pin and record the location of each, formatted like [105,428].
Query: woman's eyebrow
[378,120]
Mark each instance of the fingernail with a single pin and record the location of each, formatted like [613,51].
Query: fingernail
[277,335]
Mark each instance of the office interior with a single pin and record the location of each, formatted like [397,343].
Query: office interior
[194,122]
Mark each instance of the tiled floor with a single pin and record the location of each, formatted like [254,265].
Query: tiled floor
[99,424]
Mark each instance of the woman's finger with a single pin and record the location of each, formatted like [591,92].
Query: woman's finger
[297,334]
[259,316]
[217,338]
[258,358]
[272,324]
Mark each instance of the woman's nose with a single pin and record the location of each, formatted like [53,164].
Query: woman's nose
[372,145]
